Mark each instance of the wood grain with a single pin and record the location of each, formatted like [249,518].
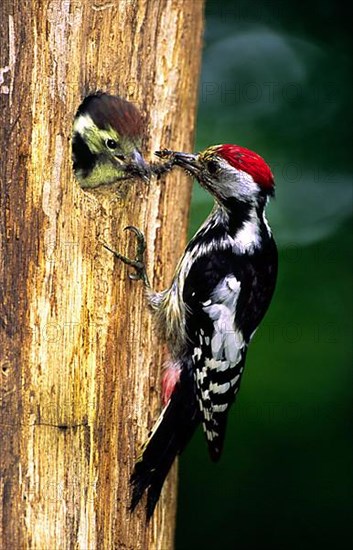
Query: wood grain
[80,363]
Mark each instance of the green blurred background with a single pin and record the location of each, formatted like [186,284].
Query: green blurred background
[276,79]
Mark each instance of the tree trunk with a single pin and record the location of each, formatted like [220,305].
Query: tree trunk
[80,362]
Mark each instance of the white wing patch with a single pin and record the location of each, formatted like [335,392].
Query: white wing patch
[226,340]
[197,354]
[219,388]
[217,355]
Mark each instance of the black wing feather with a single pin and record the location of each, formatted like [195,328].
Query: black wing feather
[251,281]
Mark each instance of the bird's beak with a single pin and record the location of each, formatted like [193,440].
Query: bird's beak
[188,162]
[139,166]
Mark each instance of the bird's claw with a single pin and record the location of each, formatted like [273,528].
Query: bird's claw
[138,264]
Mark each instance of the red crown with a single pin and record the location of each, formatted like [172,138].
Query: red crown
[250,162]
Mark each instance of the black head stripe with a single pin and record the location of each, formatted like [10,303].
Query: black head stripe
[82,157]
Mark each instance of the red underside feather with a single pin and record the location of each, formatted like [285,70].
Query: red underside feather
[170,378]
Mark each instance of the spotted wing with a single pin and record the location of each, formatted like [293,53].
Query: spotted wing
[217,346]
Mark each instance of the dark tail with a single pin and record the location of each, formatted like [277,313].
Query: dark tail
[171,433]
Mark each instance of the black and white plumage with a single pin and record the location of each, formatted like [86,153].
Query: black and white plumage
[220,292]
[226,293]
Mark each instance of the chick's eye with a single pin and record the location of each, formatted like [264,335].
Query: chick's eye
[111,143]
[212,166]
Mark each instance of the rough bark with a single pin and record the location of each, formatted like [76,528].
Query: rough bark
[80,363]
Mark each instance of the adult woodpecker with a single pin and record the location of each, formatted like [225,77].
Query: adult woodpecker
[220,292]
[106,142]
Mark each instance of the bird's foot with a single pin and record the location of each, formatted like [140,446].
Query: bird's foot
[138,264]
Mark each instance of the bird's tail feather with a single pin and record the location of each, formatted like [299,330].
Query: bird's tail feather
[172,431]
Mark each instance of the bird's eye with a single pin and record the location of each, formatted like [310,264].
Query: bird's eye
[212,166]
[111,143]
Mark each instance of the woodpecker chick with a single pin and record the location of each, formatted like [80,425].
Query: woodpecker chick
[106,141]
[220,292]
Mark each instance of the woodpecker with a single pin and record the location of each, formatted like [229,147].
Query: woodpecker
[220,292]
[106,142]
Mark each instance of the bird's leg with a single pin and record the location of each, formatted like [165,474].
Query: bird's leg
[138,264]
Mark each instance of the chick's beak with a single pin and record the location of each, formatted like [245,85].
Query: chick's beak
[139,166]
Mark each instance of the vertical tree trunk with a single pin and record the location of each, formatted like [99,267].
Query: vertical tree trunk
[80,364]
